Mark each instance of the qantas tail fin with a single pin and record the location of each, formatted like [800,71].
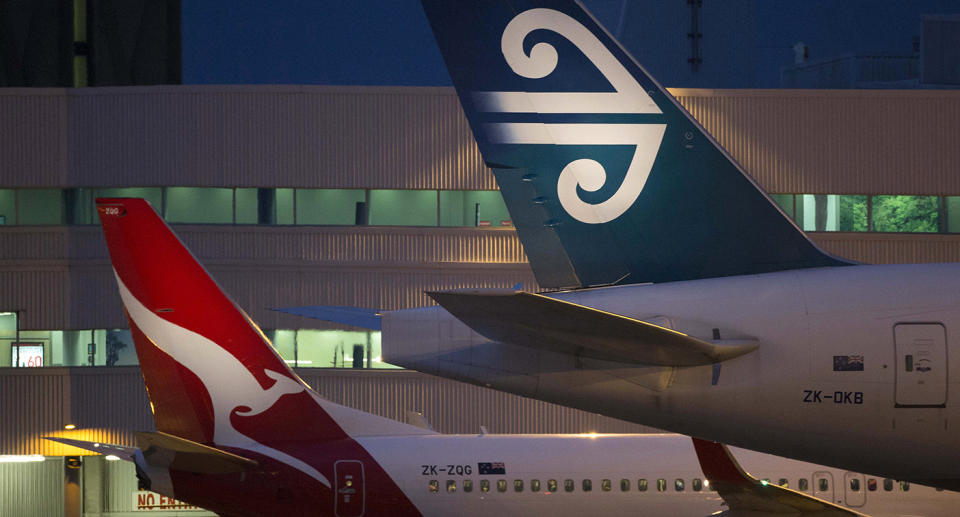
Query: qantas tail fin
[211,374]
[607,178]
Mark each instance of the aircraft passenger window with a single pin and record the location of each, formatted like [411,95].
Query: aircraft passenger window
[434,486]
[587,485]
[661,485]
[887,485]
[905,486]
[606,485]
[624,485]
[534,485]
[823,484]
[551,485]
[568,485]
[501,485]
[697,485]
[855,485]
[678,485]
[803,484]
[872,485]
[451,486]
[484,485]
[518,485]
[468,485]
[784,483]
[642,485]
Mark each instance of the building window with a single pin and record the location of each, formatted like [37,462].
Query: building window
[195,205]
[473,208]
[831,213]
[403,207]
[39,206]
[329,206]
[912,214]
[8,206]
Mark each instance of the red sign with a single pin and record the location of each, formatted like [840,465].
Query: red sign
[26,355]
[146,501]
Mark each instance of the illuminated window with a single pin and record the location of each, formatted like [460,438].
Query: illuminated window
[199,205]
[905,486]
[587,485]
[606,485]
[78,206]
[403,207]
[328,206]
[697,484]
[245,207]
[451,486]
[468,485]
[534,485]
[831,213]
[785,202]
[501,485]
[678,485]
[551,485]
[434,486]
[905,214]
[568,485]
[887,485]
[8,206]
[661,485]
[484,485]
[39,206]
[518,485]
[642,485]
[855,485]
[473,208]
[803,484]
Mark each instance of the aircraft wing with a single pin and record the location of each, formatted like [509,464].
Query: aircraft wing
[746,496]
[538,321]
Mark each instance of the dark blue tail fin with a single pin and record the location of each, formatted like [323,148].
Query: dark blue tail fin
[607,178]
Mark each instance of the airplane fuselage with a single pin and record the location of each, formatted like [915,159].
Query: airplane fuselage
[851,371]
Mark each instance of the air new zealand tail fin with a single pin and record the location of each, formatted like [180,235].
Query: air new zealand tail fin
[607,178]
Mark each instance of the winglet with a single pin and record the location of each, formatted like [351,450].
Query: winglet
[745,493]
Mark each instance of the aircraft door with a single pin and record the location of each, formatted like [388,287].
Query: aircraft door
[823,485]
[854,489]
[921,375]
[350,496]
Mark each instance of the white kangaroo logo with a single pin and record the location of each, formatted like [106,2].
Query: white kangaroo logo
[629,97]
[230,384]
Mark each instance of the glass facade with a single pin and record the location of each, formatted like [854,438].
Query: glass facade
[310,348]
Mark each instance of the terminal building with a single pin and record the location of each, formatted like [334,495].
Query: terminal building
[360,196]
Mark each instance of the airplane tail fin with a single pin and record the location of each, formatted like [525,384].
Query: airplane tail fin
[211,374]
[607,178]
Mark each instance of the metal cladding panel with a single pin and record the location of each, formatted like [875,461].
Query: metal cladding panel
[837,141]
[109,403]
[285,136]
[891,248]
[34,403]
[26,488]
[33,136]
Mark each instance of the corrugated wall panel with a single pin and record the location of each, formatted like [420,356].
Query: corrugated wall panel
[33,136]
[31,489]
[108,404]
[837,141]
[891,248]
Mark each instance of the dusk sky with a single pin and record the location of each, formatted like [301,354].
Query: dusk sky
[389,41]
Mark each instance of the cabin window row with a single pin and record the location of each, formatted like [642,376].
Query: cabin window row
[661,484]
[568,485]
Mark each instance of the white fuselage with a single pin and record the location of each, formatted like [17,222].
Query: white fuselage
[799,395]
[431,470]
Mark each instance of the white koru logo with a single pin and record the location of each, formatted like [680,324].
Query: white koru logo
[629,97]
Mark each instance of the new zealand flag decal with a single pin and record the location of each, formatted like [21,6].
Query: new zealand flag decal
[848,363]
[491,469]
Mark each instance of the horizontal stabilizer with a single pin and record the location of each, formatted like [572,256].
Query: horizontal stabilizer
[107,449]
[538,321]
[165,450]
[746,495]
[356,316]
